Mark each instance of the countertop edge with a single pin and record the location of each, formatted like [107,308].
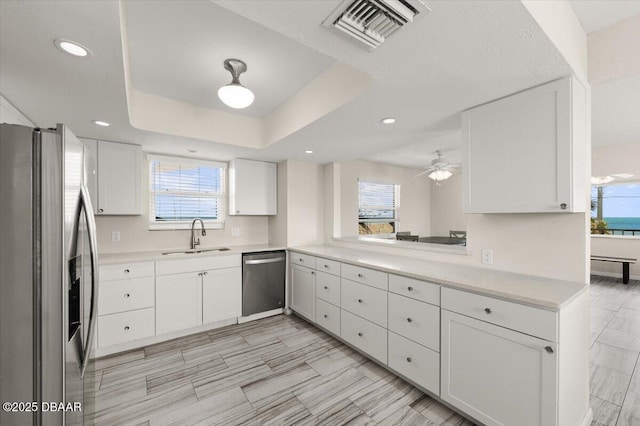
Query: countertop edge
[147,256]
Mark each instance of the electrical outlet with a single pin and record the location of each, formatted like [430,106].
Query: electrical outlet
[235,232]
[487,256]
[115,236]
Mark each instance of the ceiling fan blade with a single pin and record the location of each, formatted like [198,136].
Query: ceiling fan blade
[422,173]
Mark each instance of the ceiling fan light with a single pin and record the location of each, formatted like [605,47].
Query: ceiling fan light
[439,175]
[236,96]
[600,180]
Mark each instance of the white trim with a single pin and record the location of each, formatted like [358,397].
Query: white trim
[615,237]
[189,160]
[260,315]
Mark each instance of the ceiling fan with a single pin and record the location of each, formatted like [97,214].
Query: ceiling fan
[440,168]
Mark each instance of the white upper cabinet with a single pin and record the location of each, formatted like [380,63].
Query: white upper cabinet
[526,153]
[253,188]
[119,179]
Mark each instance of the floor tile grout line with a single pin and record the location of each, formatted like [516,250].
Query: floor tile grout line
[626,392]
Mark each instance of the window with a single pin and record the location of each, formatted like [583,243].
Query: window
[378,205]
[182,189]
[616,209]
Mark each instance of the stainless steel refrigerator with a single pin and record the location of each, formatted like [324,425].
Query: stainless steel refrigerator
[48,279]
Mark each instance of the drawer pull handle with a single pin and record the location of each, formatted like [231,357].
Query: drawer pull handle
[127,295]
[549,349]
[326,316]
[360,276]
[410,288]
[409,320]
[487,310]
[360,334]
[326,288]
[126,328]
[408,359]
[359,300]
[126,271]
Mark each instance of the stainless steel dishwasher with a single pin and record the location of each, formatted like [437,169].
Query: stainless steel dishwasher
[263,276]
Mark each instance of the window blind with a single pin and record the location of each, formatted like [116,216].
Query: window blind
[378,201]
[181,190]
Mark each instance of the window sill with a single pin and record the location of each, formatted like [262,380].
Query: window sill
[172,226]
[616,237]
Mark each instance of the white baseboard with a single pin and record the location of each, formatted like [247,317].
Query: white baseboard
[614,275]
[260,315]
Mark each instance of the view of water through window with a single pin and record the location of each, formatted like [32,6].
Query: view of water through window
[616,209]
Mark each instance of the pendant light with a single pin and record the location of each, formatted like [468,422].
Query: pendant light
[234,94]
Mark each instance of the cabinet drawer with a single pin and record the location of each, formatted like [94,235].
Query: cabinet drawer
[126,295]
[365,276]
[125,326]
[415,289]
[415,362]
[121,271]
[364,301]
[328,287]
[195,264]
[328,266]
[328,316]
[415,320]
[364,335]
[526,319]
[302,259]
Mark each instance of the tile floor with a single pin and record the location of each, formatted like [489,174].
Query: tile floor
[615,346]
[281,370]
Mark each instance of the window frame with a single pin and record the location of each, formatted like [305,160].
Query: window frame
[594,216]
[396,209]
[186,224]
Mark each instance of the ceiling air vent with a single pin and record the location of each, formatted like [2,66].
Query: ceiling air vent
[372,21]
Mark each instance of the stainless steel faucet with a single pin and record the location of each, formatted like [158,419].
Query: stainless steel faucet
[195,242]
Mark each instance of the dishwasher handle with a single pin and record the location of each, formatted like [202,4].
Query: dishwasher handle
[262,261]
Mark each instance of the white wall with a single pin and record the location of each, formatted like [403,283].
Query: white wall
[278,223]
[446,206]
[414,195]
[10,114]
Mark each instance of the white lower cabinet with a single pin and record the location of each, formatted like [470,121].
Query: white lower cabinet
[415,362]
[328,316]
[221,294]
[303,291]
[415,320]
[497,375]
[364,335]
[125,326]
[178,301]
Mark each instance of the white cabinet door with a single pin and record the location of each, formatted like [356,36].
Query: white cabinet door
[178,301]
[253,187]
[221,294]
[499,376]
[303,294]
[119,179]
[526,153]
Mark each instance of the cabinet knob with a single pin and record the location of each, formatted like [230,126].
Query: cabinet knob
[127,295]
[360,334]
[410,288]
[487,310]
[313,272]
[326,266]
[126,271]
[549,349]
[205,272]
[199,274]
[409,320]
[300,259]
[408,359]
[359,300]
[100,210]
[326,288]
[563,206]
[360,276]
[237,211]
[326,316]
[126,327]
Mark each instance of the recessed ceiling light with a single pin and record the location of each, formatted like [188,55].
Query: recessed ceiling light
[101,123]
[72,48]
[308,151]
[388,120]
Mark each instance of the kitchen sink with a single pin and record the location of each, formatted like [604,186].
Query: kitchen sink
[196,251]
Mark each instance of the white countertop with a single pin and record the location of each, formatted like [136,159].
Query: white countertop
[141,256]
[536,291]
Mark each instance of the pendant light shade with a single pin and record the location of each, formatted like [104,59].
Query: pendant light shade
[440,174]
[234,94]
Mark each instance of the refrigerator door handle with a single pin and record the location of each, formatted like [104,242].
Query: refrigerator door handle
[93,247]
